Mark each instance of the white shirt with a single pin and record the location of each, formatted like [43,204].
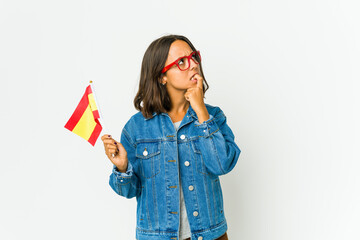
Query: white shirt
[184,222]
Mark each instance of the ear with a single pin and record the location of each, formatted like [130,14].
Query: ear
[163,80]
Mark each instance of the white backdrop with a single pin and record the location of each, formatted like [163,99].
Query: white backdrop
[286,74]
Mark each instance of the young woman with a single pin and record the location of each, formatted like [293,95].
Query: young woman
[172,152]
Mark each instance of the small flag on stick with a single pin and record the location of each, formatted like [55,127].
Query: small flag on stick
[85,120]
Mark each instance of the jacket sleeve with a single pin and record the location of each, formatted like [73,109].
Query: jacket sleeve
[217,146]
[126,184]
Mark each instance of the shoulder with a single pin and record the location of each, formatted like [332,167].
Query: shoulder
[135,119]
[138,117]
[215,111]
[131,126]
[138,126]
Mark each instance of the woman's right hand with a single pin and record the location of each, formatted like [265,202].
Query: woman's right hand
[116,152]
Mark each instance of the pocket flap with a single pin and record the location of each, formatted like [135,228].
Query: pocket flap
[147,149]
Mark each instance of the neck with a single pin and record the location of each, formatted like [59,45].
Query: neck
[178,103]
[179,106]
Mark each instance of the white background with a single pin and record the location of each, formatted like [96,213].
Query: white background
[286,74]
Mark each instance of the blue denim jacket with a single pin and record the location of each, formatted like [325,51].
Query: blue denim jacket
[159,156]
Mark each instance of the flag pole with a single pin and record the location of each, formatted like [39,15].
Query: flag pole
[98,107]
[97,104]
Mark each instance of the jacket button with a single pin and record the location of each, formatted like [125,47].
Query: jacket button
[187,163]
[200,238]
[191,187]
[195,213]
[182,137]
[145,153]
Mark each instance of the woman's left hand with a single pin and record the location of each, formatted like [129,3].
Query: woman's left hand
[195,96]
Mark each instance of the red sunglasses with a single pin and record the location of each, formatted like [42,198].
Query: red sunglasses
[183,63]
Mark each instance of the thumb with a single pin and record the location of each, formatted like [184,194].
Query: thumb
[199,82]
[120,148]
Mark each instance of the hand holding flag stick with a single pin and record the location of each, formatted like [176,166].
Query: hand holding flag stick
[115,152]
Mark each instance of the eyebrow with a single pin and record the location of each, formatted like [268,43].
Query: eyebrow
[176,59]
[182,57]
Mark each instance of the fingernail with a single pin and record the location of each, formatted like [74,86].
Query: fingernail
[109,135]
[115,142]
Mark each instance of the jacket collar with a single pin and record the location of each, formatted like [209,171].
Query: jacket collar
[189,114]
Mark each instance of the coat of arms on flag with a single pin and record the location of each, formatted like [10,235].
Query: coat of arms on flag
[85,119]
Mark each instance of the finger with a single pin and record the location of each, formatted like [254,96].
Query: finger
[109,141]
[109,155]
[186,95]
[106,136]
[189,91]
[199,82]
[116,145]
[111,151]
[112,147]
[121,148]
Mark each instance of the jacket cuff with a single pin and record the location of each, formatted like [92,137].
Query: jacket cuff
[207,127]
[123,178]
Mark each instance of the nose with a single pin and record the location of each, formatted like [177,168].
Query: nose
[193,64]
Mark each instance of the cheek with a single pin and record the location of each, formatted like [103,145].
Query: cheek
[181,77]
[178,79]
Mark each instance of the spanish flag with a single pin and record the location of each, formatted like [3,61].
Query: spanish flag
[85,120]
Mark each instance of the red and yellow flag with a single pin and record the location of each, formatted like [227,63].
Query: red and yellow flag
[85,120]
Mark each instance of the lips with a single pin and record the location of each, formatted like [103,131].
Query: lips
[193,77]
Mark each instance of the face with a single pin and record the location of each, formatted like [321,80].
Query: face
[174,78]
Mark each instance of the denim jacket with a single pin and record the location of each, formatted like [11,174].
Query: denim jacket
[160,156]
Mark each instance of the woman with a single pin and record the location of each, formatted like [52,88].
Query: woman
[172,152]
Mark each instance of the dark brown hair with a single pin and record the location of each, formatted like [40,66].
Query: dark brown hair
[152,96]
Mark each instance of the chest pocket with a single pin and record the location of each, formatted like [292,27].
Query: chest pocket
[148,154]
